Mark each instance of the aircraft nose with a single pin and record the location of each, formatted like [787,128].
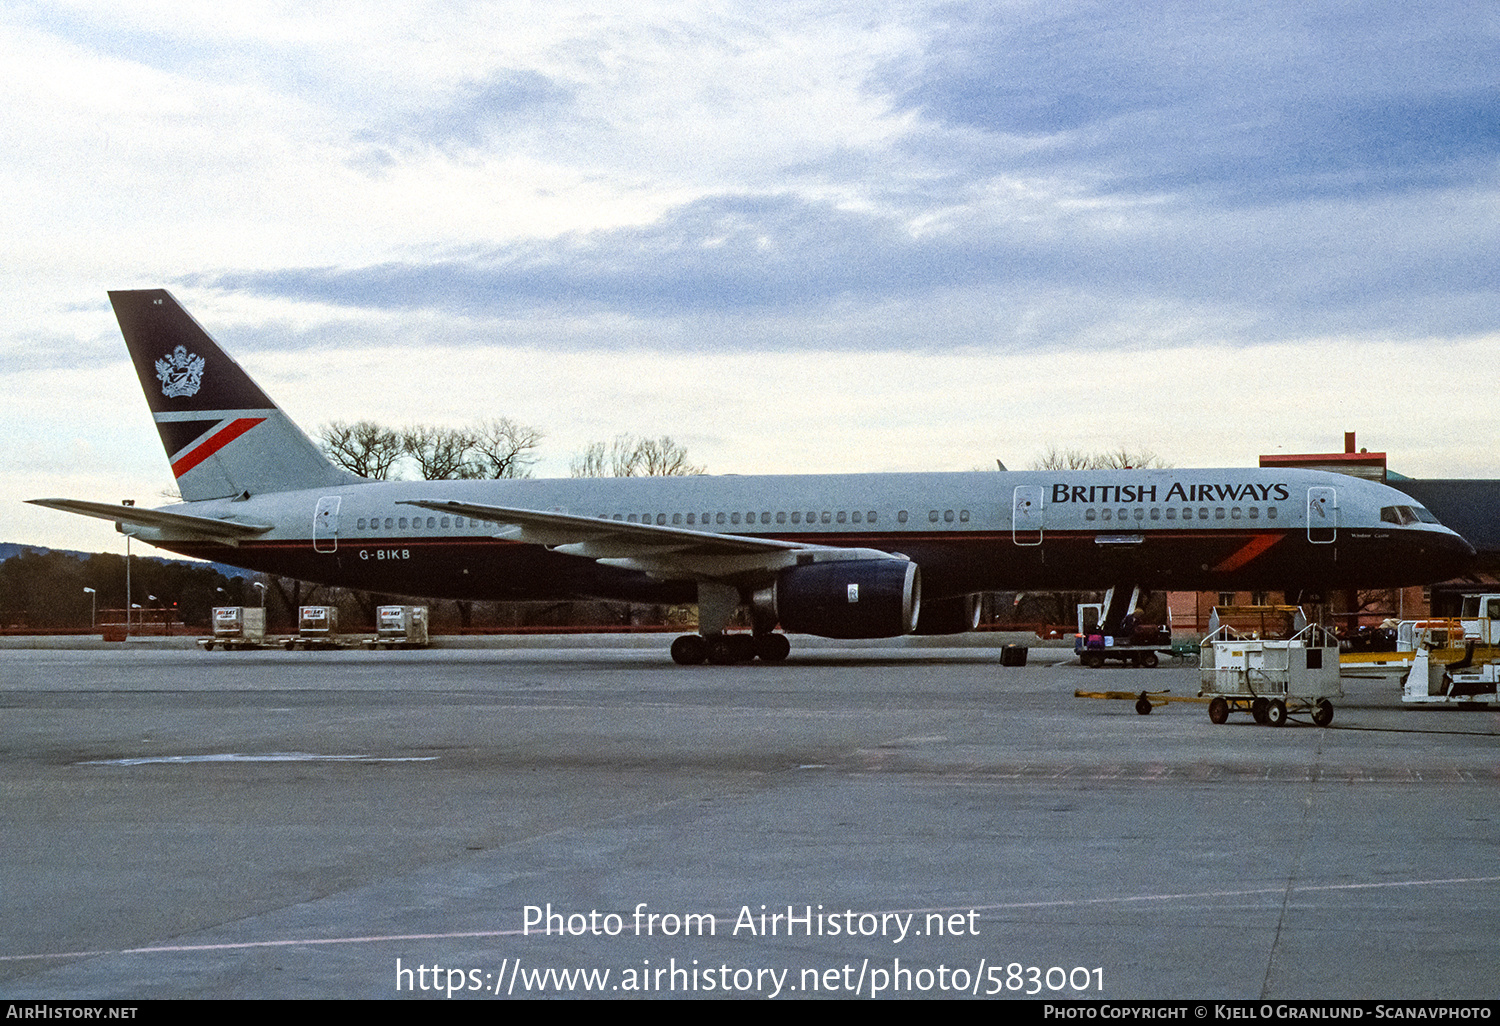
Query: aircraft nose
[1454,555]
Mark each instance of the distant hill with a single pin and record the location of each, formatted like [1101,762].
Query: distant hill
[10,549]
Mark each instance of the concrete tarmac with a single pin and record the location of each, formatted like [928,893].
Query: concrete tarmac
[924,822]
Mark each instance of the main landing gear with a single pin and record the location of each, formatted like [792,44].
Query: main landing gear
[717,603]
[725,649]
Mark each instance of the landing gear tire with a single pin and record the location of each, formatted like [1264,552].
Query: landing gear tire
[1143,705]
[743,646]
[1258,710]
[1276,713]
[1218,711]
[1148,660]
[721,650]
[772,648]
[689,650]
[1323,712]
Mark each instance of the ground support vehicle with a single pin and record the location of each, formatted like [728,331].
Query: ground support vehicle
[399,627]
[1431,681]
[236,627]
[1270,679]
[317,627]
[1102,636]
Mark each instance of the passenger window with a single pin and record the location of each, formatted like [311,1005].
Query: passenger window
[1219,513]
[676,518]
[948,516]
[1270,512]
[1090,515]
[401,523]
[932,516]
[390,522]
[1254,512]
[361,525]
[781,518]
[1156,514]
[661,520]
[1108,514]
[719,518]
[765,518]
[870,517]
[1140,513]
[796,518]
[692,518]
[445,522]
[1203,515]
[963,516]
[855,517]
[1234,513]
[842,516]
[734,518]
[901,517]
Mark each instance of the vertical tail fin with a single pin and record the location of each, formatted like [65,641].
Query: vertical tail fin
[223,435]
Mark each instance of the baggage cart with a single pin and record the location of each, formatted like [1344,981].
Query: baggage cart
[236,627]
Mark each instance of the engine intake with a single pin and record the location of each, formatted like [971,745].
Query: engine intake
[856,598]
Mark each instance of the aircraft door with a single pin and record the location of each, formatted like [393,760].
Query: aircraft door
[326,524]
[1026,515]
[1322,515]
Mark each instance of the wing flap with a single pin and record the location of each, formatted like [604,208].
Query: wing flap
[594,538]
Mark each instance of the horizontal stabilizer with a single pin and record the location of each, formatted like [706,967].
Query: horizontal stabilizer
[174,524]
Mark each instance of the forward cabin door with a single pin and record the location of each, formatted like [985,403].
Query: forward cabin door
[326,524]
[1026,515]
[1322,515]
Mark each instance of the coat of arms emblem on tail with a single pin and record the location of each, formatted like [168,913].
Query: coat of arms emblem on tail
[180,373]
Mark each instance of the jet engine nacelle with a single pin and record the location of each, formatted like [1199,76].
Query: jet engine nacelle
[855,598]
[949,615]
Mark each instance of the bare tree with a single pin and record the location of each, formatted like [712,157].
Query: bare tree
[629,456]
[503,448]
[592,462]
[365,448]
[441,454]
[1111,459]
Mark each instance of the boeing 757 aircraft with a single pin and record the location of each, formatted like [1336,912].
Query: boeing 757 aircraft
[841,556]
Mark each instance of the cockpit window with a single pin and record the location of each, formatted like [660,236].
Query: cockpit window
[1404,515]
[1424,515]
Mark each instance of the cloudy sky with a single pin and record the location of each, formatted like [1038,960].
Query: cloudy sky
[798,237]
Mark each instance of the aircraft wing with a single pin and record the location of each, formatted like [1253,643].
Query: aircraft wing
[654,549]
[154,520]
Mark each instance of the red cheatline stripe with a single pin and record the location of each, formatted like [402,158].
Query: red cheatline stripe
[1252,548]
[213,443]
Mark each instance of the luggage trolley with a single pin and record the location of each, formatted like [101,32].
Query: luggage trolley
[1270,679]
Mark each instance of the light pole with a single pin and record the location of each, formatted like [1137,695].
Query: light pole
[93,607]
[128,604]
